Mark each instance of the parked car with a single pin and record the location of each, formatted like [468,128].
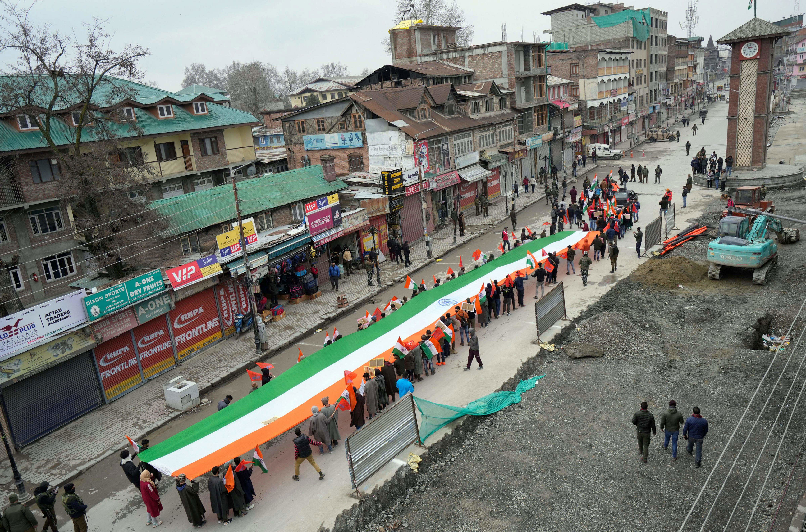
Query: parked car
[604,151]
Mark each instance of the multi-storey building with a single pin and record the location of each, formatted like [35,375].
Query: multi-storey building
[183,143]
[322,90]
[657,50]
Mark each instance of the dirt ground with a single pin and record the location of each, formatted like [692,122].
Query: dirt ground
[566,457]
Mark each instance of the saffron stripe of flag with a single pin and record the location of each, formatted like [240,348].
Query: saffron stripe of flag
[409,284]
[258,460]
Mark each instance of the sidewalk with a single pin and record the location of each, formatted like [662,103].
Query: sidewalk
[73,449]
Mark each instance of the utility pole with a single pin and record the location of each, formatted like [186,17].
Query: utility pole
[15,472]
[247,274]
[423,211]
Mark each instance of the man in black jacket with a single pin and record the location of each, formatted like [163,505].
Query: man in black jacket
[644,420]
[130,469]
[303,452]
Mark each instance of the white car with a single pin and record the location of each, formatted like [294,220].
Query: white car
[604,151]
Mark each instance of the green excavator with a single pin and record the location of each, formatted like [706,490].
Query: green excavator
[744,242]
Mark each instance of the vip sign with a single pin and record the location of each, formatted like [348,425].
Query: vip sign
[195,271]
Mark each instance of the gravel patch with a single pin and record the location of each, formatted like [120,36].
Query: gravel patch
[565,458]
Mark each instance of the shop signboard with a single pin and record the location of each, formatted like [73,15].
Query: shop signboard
[444,180]
[421,155]
[624,121]
[115,325]
[396,203]
[576,121]
[336,215]
[333,141]
[122,295]
[117,365]
[519,153]
[34,326]
[416,188]
[229,245]
[320,221]
[493,184]
[195,323]
[533,142]
[392,182]
[194,271]
[410,177]
[151,308]
[154,347]
[46,355]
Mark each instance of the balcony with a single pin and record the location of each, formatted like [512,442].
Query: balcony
[539,71]
[612,70]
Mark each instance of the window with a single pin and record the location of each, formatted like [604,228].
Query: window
[475,107]
[574,91]
[172,190]
[190,244]
[329,170]
[76,116]
[573,69]
[435,42]
[297,212]
[486,139]
[16,278]
[355,162]
[165,151]
[58,266]
[342,126]
[489,105]
[505,133]
[538,87]
[300,125]
[463,144]
[44,170]
[26,122]
[47,220]
[320,125]
[541,116]
[450,109]
[503,103]
[423,113]
[358,122]
[263,221]
[203,183]
[538,58]
[132,156]
[208,146]
[165,111]
[200,108]
[128,113]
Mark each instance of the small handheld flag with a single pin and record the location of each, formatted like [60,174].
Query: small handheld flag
[409,284]
[477,308]
[399,349]
[263,365]
[258,460]
[377,313]
[255,377]
[336,333]
[543,252]
[349,376]
[501,249]
[135,446]
[529,231]
[299,354]
[513,235]
[229,480]
[435,279]
[344,402]
[327,339]
[549,266]
[461,262]
[449,272]
[477,254]
[531,261]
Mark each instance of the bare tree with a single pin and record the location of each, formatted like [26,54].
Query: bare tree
[435,12]
[251,85]
[55,75]
[333,70]
[198,74]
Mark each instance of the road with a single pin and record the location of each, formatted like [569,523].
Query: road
[282,504]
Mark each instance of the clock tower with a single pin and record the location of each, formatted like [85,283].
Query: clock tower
[750,89]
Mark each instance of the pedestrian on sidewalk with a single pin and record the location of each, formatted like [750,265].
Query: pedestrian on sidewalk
[333,276]
[45,499]
[505,241]
[570,260]
[677,135]
[332,415]
[347,260]
[564,186]
[513,218]
[541,275]
[729,161]
[189,497]
[525,183]
[644,420]
[684,196]
[658,174]
[694,431]
[461,224]
[583,159]
[224,402]
[723,182]
[613,252]
[219,500]
[369,269]
[243,471]
[16,517]
[474,351]
[318,428]
[131,471]
[670,422]
[75,508]
[573,195]
[303,453]
[633,170]
[695,128]
[574,168]
[151,498]
[638,239]
[584,264]
[687,148]
[720,164]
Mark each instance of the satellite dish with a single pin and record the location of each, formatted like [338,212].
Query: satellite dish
[251,170]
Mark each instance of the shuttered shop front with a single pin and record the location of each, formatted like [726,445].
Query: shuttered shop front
[154,347]
[118,366]
[195,323]
[228,306]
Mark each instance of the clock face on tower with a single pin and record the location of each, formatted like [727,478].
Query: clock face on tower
[750,50]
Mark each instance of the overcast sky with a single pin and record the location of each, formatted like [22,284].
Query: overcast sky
[308,34]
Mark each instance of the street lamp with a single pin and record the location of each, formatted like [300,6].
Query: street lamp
[15,472]
[373,233]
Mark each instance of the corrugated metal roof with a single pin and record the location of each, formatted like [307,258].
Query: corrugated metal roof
[62,134]
[555,80]
[206,208]
[440,93]
[435,68]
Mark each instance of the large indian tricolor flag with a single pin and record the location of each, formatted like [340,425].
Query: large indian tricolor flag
[272,410]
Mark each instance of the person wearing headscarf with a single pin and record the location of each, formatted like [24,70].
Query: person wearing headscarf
[358,413]
[266,376]
[189,497]
[218,496]
[318,428]
[151,498]
[243,470]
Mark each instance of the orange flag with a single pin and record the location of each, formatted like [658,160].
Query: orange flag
[477,308]
[349,376]
[529,231]
[500,248]
[254,376]
[377,313]
[543,252]
[449,272]
[461,262]
[351,396]
[548,266]
[299,354]
[229,480]
[263,365]
[477,254]
[513,235]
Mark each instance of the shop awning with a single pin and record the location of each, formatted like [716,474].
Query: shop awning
[561,104]
[288,245]
[473,173]
[256,260]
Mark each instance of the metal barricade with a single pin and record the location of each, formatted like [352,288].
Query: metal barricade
[670,219]
[653,234]
[550,309]
[381,439]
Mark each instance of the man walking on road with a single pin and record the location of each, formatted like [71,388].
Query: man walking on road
[519,285]
[695,128]
[694,431]
[16,517]
[584,263]
[75,508]
[474,350]
[303,452]
[570,260]
[613,252]
[638,239]
[644,420]
[45,499]
[657,174]
[513,217]
[670,423]
[505,241]
[330,413]
[687,148]
[540,274]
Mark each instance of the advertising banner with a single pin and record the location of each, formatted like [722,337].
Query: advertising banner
[34,326]
[392,182]
[115,325]
[117,365]
[192,272]
[229,245]
[154,347]
[46,355]
[151,308]
[228,306]
[195,323]
[493,184]
[114,298]
[421,154]
[320,221]
[445,180]
[533,142]
[410,177]
[333,141]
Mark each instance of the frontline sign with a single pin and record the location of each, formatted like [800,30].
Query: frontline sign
[195,323]
[117,365]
